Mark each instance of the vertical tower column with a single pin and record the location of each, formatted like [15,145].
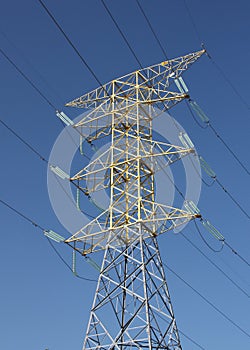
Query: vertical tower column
[132,307]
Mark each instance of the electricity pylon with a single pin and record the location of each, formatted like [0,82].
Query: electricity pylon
[132,307]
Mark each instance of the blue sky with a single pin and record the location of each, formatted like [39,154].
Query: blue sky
[42,304]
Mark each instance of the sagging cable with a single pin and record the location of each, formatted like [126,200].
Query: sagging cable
[54,236]
[93,263]
[64,118]
[94,202]
[199,112]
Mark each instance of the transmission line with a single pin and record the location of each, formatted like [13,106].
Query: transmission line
[152,29]
[41,157]
[229,149]
[38,226]
[186,336]
[122,34]
[190,339]
[219,69]
[27,79]
[207,244]
[224,315]
[83,60]
[207,124]
[29,63]
[215,265]
[38,154]
[224,241]
[27,144]
[208,302]
[236,253]
[220,138]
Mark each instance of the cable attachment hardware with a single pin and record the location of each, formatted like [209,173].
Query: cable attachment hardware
[185,140]
[182,87]
[78,199]
[191,207]
[206,52]
[207,168]
[197,109]
[210,228]
[74,262]
[54,236]
[59,172]
[64,118]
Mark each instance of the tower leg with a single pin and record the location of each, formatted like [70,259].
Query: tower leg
[132,307]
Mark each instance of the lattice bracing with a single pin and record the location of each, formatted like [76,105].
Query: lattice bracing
[145,87]
[132,291]
[148,85]
[155,220]
[132,307]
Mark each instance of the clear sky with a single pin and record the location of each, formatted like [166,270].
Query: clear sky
[42,304]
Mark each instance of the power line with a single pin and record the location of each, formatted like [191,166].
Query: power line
[193,22]
[215,265]
[185,335]
[207,125]
[29,63]
[69,266]
[38,154]
[118,29]
[208,302]
[219,69]
[229,149]
[198,230]
[236,253]
[228,245]
[63,260]
[70,42]
[21,138]
[215,178]
[32,222]
[27,144]
[66,264]
[224,241]
[233,199]
[152,29]
[27,79]
[122,34]
[208,245]
[134,54]
[38,226]
[190,339]
[34,87]
[237,93]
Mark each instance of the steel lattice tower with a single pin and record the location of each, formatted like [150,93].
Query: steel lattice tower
[132,307]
